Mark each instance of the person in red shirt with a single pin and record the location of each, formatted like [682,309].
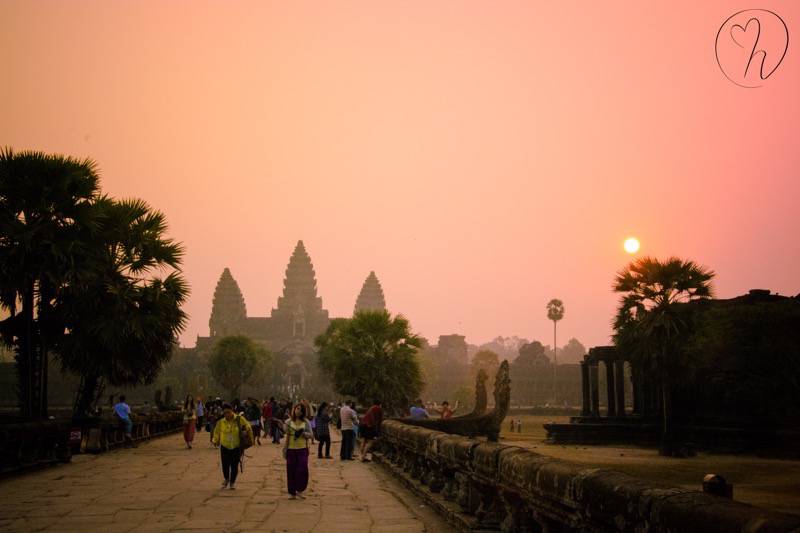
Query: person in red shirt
[370,428]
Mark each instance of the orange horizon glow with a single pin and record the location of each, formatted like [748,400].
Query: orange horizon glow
[480,158]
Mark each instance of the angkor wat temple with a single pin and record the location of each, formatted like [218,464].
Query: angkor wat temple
[292,326]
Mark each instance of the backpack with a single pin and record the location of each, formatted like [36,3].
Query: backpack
[245,437]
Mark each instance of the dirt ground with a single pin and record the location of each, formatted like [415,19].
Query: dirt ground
[770,483]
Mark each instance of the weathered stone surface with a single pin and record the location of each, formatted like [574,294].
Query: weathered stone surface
[161,486]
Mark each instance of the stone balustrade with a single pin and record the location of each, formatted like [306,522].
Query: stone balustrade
[483,485]
[31,444]
[107,433]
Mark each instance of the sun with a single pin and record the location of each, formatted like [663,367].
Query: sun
[631,245]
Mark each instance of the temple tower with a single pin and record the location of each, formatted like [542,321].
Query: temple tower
[228,312]
[371,296]
[299,314]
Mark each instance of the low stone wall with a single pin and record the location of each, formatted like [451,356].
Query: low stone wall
[104,434]
[26,445]
[483,485]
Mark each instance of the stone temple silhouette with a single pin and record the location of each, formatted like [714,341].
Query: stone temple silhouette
[292,326]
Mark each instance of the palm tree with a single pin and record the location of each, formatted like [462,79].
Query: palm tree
[649,324]
[555,312]
[122,320]
[46,213]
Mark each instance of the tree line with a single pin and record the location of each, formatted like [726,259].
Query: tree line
[87,279]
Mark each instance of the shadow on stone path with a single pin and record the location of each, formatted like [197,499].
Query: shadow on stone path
[161,486]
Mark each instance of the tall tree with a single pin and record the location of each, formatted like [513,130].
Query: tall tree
[555,312]
[649,325]
[372,355]
[46,211]
[122,320]
[236,360]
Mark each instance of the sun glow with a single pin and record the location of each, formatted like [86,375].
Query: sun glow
[631,245]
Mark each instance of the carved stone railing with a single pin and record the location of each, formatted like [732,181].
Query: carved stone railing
[486,485]
[107,433]
[31,444]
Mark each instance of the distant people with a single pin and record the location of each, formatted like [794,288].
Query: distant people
[513,425]
[227,435]
[189,420]
[418,411]
[146,409]
[253,415]
[295,451]
[213,414]
[322,430]
[446,411]
[348,418]
[200,410]
[370,428]
[123,412]
[519,426]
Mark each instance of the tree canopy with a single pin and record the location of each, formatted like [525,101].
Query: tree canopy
[372,355]
[236,360]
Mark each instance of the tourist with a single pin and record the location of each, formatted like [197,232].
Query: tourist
[123,411]
[322,430]
[201,413]
[446,411]
[295,451]
[356,427]
[370,428]
[227,435]
[189,420]
[348,418]
[253,415]
[418,411]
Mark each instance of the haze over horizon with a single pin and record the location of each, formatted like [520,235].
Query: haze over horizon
[480,159]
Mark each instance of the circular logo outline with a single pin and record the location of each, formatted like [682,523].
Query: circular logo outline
[778,64]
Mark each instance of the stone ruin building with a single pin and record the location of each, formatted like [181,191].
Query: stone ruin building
[290,329]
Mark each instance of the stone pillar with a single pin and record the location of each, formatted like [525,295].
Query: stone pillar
[619,383]
[585,385]
[612,410]
[594,388]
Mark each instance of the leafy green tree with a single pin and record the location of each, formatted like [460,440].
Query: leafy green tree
[46,211]
[651,326]
[372,355]
[485,360]
[555,312]
[122,320]
[235,360]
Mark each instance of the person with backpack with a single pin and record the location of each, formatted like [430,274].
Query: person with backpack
[295,451]
[233,435]
[323,431]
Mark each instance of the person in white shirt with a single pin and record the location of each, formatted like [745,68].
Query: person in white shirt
[349,418]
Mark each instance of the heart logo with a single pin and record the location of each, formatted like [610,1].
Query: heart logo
[745,36]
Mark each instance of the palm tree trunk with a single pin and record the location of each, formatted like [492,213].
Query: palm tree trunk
[26,360]
[555,363]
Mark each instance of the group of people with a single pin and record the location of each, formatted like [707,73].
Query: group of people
[233,427]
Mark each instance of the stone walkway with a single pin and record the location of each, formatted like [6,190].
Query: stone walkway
[161,486]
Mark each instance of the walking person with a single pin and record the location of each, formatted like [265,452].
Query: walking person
[253,415]
[123,411]
[189,420]
[322,423]
[348,418]
[295,451]
[228,434]
[370,428]
[201,413]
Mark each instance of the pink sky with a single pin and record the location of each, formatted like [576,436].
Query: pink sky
[481,157]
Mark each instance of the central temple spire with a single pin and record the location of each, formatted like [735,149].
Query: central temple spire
[299,312]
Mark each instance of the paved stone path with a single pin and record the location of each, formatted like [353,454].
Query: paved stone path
[161,486]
